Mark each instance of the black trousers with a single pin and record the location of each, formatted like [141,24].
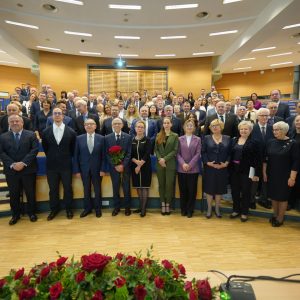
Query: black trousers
[188,191]
[54,178]
[241,192]
[16,183]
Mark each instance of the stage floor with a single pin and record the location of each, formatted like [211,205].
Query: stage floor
[199,244]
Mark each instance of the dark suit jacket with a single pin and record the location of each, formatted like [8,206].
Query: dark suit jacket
[92,109]
[26,151]
[230,127]
[72,114]
[59,157]
[107,128]
[40,121]
[182,118]
[34,109]
[70,106]
[283,110]
[4,123]
[84,161]
[125,143]
[79,123]
[67,121]
[176,126]
[275,119]
[202,116]
[290,121]
[152,129]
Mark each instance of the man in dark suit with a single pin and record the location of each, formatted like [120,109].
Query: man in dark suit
[92,104]
[59,143]
[66,119]
[18,151]
[121,171]
[183,116]
[81,106]
[70,101]
[240,114]
[199,113]
[176,124]
[283,108]
[291,119]
[25,92]
[230,121]
[137,100]
[273,108]
[237,104]
[107,124]
[36,106]
[89,162]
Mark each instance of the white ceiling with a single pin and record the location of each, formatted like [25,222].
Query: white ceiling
[259,24]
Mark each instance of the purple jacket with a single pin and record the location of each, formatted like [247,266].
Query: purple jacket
[189,155]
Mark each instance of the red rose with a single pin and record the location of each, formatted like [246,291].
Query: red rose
[94,261]
[193,295]
[204,290]
[44,272]
[114,149]
[19,274]
[181,269]
[175,274]
[167,264]
[27,294]
[2,283]
[120,281]
[80,277]
[55,290]
[26,280]
[130,260]
[119,256]
[140,263]
[148,261]
[38,280]
[188,286]
[140,292]
[61,261]
[159,282]
[52,265]
[98,296]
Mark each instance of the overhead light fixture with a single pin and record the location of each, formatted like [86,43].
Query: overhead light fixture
[8,62]
[77,33]
[280,54]
[120,63]
[127,37]
[298,43]
[245,68]
[223,32]
[203,53]
[1,51]
[21,24]
[48,48]
[283,63]
[231,1]
[164,55]
[118,6]
[181,6]
[291,26]
[76,2]
[263,49]
[128,55]
[174,37]
[249,58]
[89,53]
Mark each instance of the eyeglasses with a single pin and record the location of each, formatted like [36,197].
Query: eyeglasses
[57,113]
[89,124]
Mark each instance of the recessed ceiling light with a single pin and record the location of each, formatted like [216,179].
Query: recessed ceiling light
[48,48]
[298,43]
[283,63]
[291,26]
[223,32]
[128,55]
[263,49]
[8,62]
[77,33]
[231,1]
[127,37]
[203,53]
[76,2]
[21,24]
[280,54]
[249,58]
[245,68]
[181,6]
[1,51]
[117,6]
[164,55]
[89,53]
[174,37]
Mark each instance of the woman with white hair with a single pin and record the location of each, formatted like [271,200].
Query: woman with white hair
[280,170]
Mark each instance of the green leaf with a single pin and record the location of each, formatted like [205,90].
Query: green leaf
[121,293]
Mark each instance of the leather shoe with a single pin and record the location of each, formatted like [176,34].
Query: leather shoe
[234,215]
[52,215]
[85,213]
[137,211]
[115,212]
[13,220]
[33,218]
[208,216]
[127,212]
[218,215]
[98,213]
[69,214]
[189,215]
[244,219]
[143,214]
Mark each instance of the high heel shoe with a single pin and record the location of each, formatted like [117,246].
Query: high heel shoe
[276,223]
[163,209]
[208,216]
[168,210]
[218,215]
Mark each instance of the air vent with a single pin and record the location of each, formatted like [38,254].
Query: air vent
[50,7]
[202,15]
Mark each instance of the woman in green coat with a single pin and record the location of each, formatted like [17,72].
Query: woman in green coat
[166,146]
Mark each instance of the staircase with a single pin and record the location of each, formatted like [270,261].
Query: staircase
[4,201]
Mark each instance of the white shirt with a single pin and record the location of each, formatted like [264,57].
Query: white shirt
[122,113]
[58,132]
[146,123]
[188,139]
[88,137]
[118,134]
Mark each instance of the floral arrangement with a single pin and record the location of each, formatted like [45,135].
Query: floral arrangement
[116,155]
[97,276]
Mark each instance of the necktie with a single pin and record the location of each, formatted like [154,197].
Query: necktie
[17,138]
[90,143]
[222,118]
[118,139]
[263,132]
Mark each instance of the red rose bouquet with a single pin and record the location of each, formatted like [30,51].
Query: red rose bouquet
[116,155]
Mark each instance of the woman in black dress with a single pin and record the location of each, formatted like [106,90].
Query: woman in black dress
[216,156]
[41,118]
[280,170]
[141,165]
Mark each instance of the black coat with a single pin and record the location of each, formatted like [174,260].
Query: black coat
[107,126]
[230,126]
[79,124]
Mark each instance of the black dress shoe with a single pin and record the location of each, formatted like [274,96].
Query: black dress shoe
[85,213]
[272,220]
[143,214]
[115,212]
[127,212]
[33,218]
[13,220]
[243,219]
[189,215]
[52,215]
[98,213]
[208,216]
[137,211]
[276,223]
[69,214]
